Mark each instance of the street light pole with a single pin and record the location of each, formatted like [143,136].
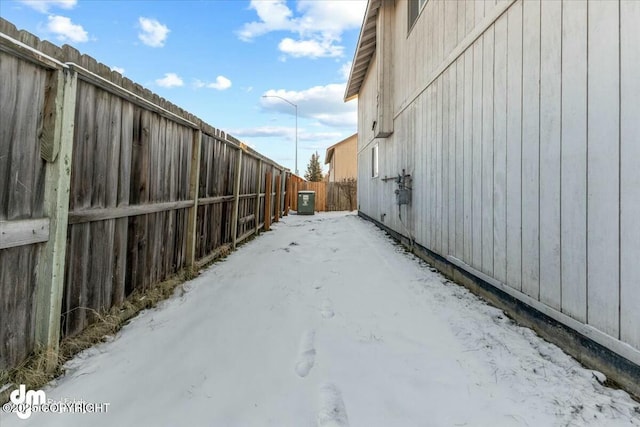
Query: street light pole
[296,107]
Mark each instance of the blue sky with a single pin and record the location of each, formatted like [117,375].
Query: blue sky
[217,58]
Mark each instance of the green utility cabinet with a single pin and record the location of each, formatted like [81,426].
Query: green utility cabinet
[306,202]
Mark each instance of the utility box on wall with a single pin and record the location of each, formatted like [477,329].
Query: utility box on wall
[306,202]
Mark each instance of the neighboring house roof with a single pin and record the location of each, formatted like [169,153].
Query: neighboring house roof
[364,51]
[332,149]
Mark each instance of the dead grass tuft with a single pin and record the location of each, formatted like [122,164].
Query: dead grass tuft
[33,372]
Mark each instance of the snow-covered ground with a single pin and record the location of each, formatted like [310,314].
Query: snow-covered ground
[325,321]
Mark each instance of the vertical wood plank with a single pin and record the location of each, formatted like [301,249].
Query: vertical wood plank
[487,150]
[629,173]
[461,21]
[420,109]
[514,147]
[194,180]
[476,155]
[450,26]
[603,273]
[467,161]
[574,160]
[531,149]
[236,198]
[459,187]
[258,179]
[287,193]
[438,166]
[142,143]
[99,257]
[479,11]
[433,204]
[440,17]
[150,273]
[453,97]
[550,111]
[267,201]
[111,193]
[445,101]
[8,99]
[470,15]
[500,151]
[423,124]
[124,188]
[24,161]
[489,5]
[278,199]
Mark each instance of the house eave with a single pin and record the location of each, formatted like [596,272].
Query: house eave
[365,49]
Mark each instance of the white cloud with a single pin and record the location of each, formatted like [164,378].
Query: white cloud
[322,103]
[221,83]
[331,17]
[286,132]
[274,15]
[118,69]
[152,33]
[310,48]
[264,131]
[318,25]
[170,80]
[66,30]
[43,6]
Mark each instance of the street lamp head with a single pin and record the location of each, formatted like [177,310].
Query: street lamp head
[284,99]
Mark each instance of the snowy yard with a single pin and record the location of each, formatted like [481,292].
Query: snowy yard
[326,321]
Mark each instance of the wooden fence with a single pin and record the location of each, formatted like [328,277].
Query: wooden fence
[330,196]
[105,188]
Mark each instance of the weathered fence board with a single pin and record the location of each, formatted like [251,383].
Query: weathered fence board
[24,232]
[17,303]
[22,173]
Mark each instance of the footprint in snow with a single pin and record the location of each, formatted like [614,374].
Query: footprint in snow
[332,411]
[326,309]
[306,354]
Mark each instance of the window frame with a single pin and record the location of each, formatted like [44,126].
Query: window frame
[414,9]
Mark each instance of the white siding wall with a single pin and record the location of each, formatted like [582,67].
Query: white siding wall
[518,122]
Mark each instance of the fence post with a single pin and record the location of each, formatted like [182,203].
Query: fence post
[236,199]
[287,193]
[194,180]
[51,265]
[283,192]
[267,202]
[278,202]
[258,185]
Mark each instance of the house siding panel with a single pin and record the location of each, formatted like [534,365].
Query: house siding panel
[629,173]
[518,123]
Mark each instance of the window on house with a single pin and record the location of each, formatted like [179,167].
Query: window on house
[374,161]
[415,6]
